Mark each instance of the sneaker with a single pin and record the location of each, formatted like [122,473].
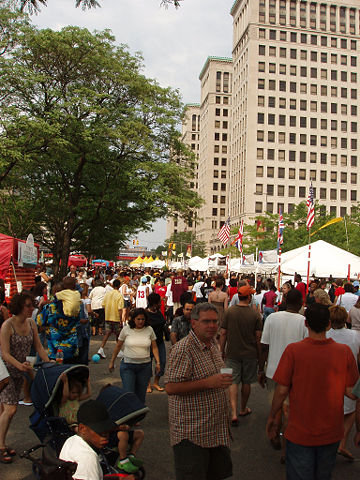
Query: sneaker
[27,404]
[136,461]
[126,466]
[101,352]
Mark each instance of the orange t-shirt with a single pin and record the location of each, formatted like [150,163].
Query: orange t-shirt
[317,372]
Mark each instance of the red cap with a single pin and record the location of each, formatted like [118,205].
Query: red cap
[245,291]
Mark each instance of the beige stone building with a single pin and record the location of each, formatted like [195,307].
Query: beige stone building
[190,135]
[281,114]
[295,105]
[215,128]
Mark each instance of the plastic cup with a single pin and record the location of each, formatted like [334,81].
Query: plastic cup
[227,371]
[31,360]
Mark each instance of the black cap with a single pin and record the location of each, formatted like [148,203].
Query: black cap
[94,414]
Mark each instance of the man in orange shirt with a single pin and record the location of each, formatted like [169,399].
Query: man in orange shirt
[315,373]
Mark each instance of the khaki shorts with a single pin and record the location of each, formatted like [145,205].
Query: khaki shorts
[113,327]
[244,371]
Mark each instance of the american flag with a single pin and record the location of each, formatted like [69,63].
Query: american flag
[239,237]
[280,239]
[224,232]
[310,206]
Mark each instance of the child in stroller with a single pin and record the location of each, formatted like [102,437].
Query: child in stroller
[72,394]
[123,408]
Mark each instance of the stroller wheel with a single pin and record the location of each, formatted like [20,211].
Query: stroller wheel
[141,473]
[36,468]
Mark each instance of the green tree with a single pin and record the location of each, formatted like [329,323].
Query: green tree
[182,240]
[98,137]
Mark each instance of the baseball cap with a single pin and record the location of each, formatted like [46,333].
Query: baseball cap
[94,414]
[144,279]
[246,290]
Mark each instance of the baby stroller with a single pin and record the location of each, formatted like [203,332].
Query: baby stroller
[53,431]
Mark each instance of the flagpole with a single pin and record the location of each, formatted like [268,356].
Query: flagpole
[308,270]
[346,231]
[279,269]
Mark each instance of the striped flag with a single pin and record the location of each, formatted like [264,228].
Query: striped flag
[310,206]
[280,238]
[224,233]
[239,237]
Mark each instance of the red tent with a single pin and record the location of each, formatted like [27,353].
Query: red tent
[16,277]
[77,260]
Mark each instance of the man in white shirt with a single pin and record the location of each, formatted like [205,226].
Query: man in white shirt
[280,329]
[93,433]
[197,290]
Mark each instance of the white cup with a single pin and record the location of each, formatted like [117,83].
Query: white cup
[227,371]
[31,360]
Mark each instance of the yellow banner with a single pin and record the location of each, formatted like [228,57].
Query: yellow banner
[327,224]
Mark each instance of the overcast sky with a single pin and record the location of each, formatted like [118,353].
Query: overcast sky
[174,43]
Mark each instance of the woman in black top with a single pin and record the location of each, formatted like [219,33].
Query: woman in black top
[157,322]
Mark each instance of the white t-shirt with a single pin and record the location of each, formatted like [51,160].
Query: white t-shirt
[75,449]
[96,296]
[169,296]
[197,289]
[137,343]
[281,329]
[141,299]
[3,370]
[347,300]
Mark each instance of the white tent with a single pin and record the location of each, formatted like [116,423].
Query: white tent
[156,264]
[326,260]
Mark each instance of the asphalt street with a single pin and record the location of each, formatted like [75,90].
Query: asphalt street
[252,455]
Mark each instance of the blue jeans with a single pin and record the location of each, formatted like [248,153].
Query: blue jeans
[310,463]
[135,377]
[267,311]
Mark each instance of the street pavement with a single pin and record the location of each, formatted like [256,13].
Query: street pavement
[253,457]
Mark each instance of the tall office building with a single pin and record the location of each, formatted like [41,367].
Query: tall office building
[213,171]
[190,135]
[206,129]
[295,105]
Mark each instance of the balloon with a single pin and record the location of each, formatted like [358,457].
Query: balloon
[96,358]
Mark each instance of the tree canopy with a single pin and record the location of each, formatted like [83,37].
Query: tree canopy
[32,6]
[86,142]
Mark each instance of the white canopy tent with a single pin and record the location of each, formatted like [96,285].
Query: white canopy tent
[326,260]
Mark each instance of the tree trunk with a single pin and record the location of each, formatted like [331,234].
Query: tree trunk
[61,254]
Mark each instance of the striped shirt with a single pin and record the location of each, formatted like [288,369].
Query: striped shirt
[200,417]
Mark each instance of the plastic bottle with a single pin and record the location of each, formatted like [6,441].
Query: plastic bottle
[59,356]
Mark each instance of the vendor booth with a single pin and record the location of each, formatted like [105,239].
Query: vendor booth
[18,260]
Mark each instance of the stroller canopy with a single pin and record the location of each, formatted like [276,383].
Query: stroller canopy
[123,407]
[47,385]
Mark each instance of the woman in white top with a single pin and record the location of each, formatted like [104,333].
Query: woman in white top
[339,333]
[136,339]
[96,296]
[126,292]
[347,299]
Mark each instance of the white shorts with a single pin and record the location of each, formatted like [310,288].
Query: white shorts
[3,371]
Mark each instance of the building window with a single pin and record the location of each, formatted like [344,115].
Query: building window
[259,171]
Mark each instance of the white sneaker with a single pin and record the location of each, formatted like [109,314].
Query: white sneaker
[101,352]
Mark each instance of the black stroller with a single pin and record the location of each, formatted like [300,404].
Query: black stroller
[52,430]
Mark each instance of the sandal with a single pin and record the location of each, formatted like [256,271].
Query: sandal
[4,456]
[149,390]
[10,451]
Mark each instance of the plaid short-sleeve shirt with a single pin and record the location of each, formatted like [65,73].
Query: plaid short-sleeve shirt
[201,417]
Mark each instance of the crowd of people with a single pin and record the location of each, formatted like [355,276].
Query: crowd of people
[225,333]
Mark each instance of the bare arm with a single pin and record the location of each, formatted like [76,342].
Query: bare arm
[65,392]
[117,349]
[87,394]
[155,351]
[173,338]
[357,423]
[281,392]
[222,340]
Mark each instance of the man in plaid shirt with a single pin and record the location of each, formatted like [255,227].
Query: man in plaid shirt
[198,402]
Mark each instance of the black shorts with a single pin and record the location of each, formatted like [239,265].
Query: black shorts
[193,462]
